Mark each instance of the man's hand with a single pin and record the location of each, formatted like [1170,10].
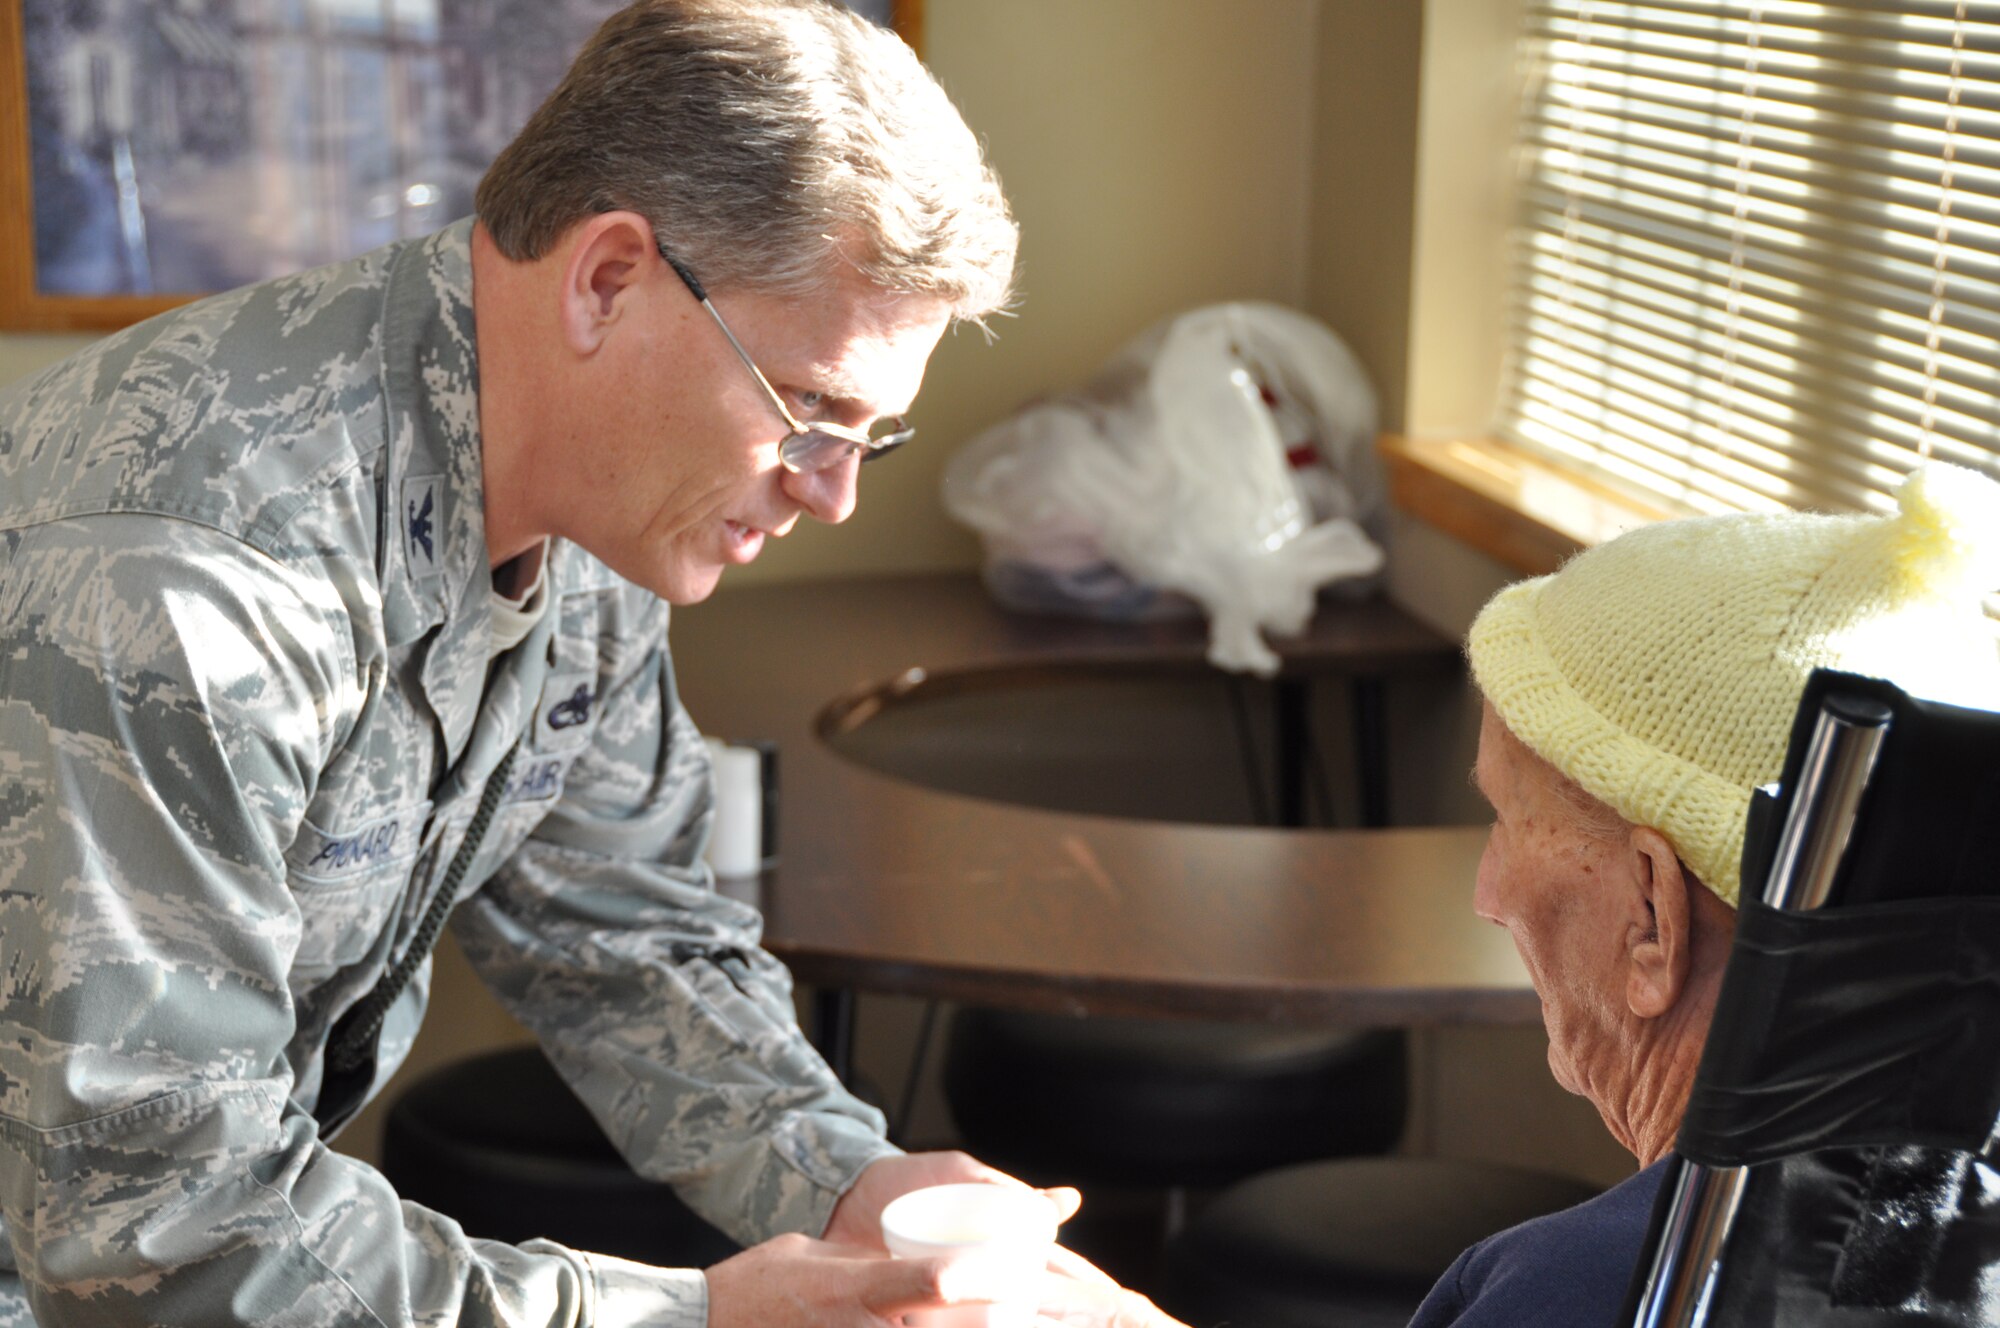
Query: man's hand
[857,1218]
[1078,1296]
[798,1282]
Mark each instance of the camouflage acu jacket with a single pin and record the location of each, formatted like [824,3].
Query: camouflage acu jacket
[245,716]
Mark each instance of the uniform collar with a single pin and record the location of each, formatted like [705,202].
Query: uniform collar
[434,572]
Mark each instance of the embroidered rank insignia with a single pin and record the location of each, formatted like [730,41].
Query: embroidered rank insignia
[569,704]
[423,530]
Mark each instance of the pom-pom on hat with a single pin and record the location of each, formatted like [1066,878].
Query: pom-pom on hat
[1660,671]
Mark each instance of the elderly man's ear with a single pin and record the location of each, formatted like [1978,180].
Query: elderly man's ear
[1660,930]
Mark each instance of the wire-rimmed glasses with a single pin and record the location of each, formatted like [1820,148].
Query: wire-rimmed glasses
[808,447]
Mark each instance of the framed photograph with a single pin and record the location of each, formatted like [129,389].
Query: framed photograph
[154,151]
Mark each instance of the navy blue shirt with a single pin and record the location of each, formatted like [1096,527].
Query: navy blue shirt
[1566,1270]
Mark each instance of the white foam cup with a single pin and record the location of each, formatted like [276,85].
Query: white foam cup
[1007,1229]
[735,839]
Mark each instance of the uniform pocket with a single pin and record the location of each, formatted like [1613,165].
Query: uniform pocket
[349,882]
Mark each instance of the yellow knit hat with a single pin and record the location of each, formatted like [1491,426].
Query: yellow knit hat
[1661,670]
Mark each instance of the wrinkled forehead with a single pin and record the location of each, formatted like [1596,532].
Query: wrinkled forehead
[1506,765]
[1502,756]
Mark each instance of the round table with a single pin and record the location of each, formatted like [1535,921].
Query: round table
[883,885]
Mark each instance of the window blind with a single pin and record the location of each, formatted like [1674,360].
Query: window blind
[1758,261]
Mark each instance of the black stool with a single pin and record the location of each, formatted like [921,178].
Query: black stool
[1355,1243]
[501,1144]
[1169,1103]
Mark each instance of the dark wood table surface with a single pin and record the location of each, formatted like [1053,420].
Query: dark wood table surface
[886,886]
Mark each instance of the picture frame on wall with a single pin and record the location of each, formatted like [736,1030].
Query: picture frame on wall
[154,151]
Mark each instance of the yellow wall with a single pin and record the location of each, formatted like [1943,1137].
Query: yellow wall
[1364,163]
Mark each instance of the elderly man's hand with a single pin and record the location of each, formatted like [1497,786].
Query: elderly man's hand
[798,1282]
[1098,1303]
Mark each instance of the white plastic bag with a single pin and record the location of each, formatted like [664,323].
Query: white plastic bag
[1223,459]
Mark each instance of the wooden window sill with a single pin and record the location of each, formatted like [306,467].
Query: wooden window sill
[1522,510]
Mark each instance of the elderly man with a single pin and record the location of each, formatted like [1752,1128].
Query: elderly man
[1634,700]
[331,603]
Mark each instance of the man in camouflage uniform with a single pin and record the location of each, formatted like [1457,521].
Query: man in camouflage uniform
[329,598]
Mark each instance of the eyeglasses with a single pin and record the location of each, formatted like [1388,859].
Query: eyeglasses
[808,447]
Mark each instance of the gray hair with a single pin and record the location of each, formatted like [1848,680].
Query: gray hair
[768,142]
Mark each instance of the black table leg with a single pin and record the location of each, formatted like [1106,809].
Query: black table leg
[833,1030]
[1371,750]
[1292,699]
